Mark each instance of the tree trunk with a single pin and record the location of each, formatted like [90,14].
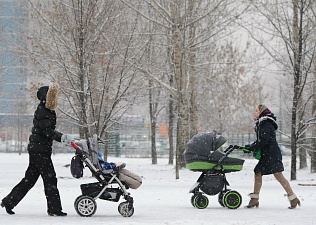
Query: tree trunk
[293,141]
[313,151]
[193,76]
[182,136]
[301,137]
[180,79]
[193,95]
[106,146]
[303,157]
[153,142]
[171,124]
[152,124]
[83,130]
[297,73]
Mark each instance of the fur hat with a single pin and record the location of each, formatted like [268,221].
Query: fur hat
[49,95]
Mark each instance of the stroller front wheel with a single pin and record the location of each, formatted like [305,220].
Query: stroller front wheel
[85,206]
[200,201]
[125,210]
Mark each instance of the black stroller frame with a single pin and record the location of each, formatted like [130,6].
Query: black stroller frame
[85,204]
[212,182]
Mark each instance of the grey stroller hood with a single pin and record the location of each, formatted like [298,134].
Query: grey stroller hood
[202,145]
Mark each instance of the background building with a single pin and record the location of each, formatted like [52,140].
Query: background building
[13,71]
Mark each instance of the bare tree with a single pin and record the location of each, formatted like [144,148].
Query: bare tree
[290,26]
[230,89]
[85,46]
[189,26]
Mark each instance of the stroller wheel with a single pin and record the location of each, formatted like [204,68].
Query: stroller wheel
[221,199]
[77,199]
[192,200]
[232,199]
[125,210]
[85,206]
[200,201]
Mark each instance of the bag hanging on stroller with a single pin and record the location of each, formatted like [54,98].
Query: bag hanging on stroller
[76,167]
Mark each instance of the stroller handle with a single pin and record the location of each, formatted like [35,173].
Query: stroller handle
[78,149]
[231,148]
[227,151]
[74,145]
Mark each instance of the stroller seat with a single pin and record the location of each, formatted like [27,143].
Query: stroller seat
[119,166]
[92,154]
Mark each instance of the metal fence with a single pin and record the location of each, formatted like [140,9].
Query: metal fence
[135,141]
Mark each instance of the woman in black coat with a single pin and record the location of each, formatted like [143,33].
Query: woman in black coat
[40,150]
[270,161]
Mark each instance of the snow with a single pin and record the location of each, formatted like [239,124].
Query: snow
[161,199]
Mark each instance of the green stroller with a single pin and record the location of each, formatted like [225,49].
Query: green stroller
[203,154]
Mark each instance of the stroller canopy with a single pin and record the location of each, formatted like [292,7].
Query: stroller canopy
[201,153]
[202,145]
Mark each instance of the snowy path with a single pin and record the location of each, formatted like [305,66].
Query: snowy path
[161,199]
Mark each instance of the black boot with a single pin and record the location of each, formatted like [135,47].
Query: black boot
[60,213]
[8,208]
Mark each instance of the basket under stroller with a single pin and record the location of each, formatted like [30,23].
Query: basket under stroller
[111,186]
[203,154]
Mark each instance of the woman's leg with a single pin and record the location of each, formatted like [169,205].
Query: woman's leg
[284,182]
[22,188]
[294,201]
[257,183]
[48,174]
[254,201]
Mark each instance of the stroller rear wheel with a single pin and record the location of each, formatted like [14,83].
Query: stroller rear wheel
[125,210]
[232,199]
[200,201]
[85,206]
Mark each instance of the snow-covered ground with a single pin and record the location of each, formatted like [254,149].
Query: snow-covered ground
[161,199]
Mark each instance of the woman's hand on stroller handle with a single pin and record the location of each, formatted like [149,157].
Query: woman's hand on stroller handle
[67,139]
[245,149]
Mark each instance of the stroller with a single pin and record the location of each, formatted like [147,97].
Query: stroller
[111,185]
[203,155]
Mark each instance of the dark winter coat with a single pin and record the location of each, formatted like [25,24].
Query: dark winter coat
[44,124]
[271,157]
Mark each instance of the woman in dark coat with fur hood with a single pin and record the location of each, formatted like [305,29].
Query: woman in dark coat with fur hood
[40,150]
[270,161]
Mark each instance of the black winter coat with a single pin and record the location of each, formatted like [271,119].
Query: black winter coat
[271,157]
[43,131]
